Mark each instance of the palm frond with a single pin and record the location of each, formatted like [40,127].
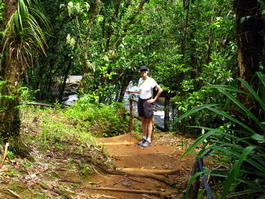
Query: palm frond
[23,31]
[244,154]
[232,176]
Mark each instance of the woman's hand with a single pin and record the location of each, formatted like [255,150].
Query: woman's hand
[150,101]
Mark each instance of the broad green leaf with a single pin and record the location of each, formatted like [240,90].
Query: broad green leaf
[231,118]
[261,77]
[200,141]
[254,93]
[258,137]
[193,110]
[235,170]
[191,181]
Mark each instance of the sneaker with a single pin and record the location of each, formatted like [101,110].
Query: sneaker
[146,144]
[142,142]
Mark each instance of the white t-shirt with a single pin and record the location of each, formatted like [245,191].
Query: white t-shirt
[146,87]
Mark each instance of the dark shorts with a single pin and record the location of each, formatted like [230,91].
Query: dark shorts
[145,109]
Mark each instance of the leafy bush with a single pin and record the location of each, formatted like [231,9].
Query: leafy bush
[2,6]
[242,151]
[206,117]
[99,119]
[196,91]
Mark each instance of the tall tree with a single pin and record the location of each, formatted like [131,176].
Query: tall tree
[249,41]
[22,35]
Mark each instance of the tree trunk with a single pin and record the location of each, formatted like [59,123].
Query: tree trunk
[65,78]
[9,98]
[87,67]
[130,21]
[94,13]
[249,42]
[195,185]
[110,30]
[9,91]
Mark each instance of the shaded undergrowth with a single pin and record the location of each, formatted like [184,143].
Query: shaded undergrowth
[63,151]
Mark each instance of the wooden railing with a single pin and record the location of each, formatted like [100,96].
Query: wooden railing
[42,104]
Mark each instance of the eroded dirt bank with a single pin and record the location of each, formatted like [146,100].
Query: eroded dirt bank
[63,169]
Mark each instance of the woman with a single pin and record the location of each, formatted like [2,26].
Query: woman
[146,85]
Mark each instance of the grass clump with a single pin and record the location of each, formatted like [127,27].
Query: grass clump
[63,152]
[98,119]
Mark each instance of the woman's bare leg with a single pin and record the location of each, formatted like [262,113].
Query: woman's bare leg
[144,126]
[149,126]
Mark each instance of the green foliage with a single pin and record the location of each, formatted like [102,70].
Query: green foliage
[62,53]
[241,152]
[23,30]
[108,55]
[194,97]
[21,37]
[97,118]
[26,164]
[27,94]
[78,123]
[10,155]
[186,49]
[1,10]
[205,55]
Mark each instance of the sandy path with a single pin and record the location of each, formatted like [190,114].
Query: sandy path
[156,159]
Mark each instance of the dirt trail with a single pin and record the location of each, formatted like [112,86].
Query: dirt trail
[157,160]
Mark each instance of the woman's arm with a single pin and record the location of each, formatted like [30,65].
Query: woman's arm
[138,92]
[159,92]
[159,89]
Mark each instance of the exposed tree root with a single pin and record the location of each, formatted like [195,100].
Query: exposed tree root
[13,194]
[158,193]
[143,175]
[154,171]
[195,185]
